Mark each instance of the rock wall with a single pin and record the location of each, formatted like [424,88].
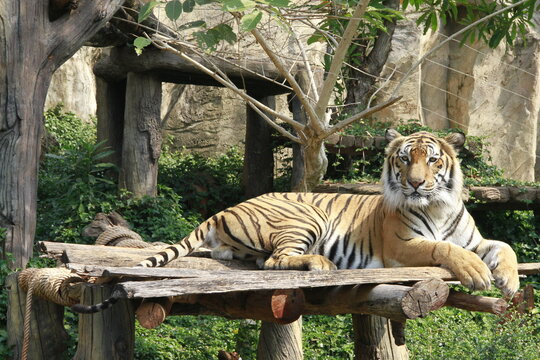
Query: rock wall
[493,93]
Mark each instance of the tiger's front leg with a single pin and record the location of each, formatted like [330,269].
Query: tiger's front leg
[502,261]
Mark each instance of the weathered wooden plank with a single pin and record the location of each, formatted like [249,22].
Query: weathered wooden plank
[288,277]
[99,255]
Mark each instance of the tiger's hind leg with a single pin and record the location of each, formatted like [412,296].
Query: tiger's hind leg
[299,262]
[290,254]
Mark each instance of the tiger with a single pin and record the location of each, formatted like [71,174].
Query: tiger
[419,220]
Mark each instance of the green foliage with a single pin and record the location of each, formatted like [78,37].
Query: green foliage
[454,334]
[73,187]
[511,25]
[195,337]
[206,185]
[5,270]
[328,337]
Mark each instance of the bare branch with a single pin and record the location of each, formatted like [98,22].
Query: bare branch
[339,55]
[344,123]
[290,79]
[163,45]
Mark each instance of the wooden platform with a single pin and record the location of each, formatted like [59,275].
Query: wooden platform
[199,285]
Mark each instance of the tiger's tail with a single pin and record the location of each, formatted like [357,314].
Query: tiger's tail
[186,246]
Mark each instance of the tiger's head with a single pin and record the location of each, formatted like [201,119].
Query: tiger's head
[422,170]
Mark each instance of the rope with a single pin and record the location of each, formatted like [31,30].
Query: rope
[50,284]
[118,235]
[27,316]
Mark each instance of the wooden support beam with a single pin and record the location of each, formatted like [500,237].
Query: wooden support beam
[142,137]
[258,174]
[396,302]
[108,334]
[48,338]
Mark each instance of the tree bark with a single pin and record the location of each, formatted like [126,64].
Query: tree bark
[32,48]
[142,135]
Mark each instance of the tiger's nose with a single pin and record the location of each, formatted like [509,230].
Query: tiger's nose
[416,183]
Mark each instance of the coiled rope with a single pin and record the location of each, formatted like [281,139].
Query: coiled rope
[118,235]
[50,284]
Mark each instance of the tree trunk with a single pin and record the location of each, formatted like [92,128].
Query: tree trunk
[32,48]
[360,84]
[142,135]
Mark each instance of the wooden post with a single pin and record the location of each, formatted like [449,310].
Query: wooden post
[108,334]
[280,342]
[111,98]
[48,338]
[258,155]
[373,339]
[142,135]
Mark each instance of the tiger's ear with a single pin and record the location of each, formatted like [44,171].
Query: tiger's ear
[391,134]
[457,140]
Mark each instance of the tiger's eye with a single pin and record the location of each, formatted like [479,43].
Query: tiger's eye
[433,159]
[404,158]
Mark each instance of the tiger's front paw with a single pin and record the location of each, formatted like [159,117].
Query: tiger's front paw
[506,279]
[502,261]
[472,272]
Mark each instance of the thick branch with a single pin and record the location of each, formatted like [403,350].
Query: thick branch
[339,56]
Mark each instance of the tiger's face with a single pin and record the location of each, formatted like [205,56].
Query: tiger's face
[422,170]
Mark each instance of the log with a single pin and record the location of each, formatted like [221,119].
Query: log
[189,281]
[485,197]
[476,303]
[108,334]
[152,313]
[120,256]
[48,338]
[397,302]
[168,67]
[378,342]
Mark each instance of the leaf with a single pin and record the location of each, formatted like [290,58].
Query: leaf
[276,3]
[146,10]
[250,21]
[225,32]
[140,43]
[238,5]
[204,2]
[191,25]
[188,6]
[173,9]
